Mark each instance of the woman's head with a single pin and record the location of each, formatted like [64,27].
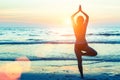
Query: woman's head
[80,20]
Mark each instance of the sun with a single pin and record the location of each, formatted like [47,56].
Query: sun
[67,22]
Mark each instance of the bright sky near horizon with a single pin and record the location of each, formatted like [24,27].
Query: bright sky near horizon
[58,11]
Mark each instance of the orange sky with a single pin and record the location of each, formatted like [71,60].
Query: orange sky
[57,11]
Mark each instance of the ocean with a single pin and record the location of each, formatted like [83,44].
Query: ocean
[44,52]
[43,42]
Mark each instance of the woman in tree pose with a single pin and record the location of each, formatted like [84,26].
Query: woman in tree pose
[81,46]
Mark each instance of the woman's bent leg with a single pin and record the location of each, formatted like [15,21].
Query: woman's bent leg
[89,52]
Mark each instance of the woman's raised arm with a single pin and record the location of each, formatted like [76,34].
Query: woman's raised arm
[87,17]
[72,17]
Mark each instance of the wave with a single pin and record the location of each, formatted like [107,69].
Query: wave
[52,59]
[105,42]
[55,42]
[99,34]
[105,34]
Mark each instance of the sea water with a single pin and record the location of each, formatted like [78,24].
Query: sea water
[43,42]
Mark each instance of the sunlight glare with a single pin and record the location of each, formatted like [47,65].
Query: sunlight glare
[67,22]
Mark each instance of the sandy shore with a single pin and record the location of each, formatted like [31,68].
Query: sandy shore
[103,67]
[63,70]
[67,70]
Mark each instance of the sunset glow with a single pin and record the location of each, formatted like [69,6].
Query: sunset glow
[57,12]
[67,22]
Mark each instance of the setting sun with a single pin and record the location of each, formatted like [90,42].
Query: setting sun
[67,22]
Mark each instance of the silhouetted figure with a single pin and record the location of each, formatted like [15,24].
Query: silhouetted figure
[81,45]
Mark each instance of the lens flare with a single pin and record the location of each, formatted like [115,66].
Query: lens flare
[13,70]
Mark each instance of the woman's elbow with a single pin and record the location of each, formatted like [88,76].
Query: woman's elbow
[87,16]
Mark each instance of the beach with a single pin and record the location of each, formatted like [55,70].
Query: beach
[67,70]
[38,37]
[63,66]
[108,71]
[45,53]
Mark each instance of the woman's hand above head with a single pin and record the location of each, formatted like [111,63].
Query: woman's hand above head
[76,12]
[80,8]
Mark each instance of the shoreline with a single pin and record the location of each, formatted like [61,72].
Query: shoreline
[105,66]
[67,70]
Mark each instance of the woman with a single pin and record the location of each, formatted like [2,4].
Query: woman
[81,45]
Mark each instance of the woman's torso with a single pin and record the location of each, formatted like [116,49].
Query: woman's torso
[80,32]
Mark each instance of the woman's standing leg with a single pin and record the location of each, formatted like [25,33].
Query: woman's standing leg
[79,59]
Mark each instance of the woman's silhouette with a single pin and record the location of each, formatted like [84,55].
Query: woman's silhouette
[81,45]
